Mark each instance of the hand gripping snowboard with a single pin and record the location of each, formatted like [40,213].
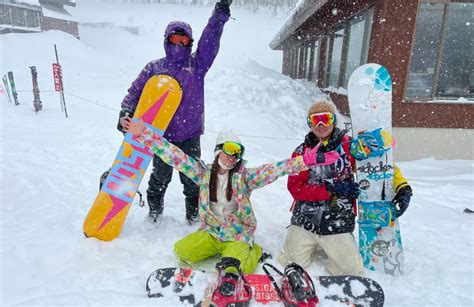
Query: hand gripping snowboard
[158,103]
[370,103]
[194,287]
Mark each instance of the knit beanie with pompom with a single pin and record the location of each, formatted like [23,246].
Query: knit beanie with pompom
[321,106]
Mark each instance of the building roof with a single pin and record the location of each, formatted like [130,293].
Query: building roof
[29,2]
[302,11]
[59,2]
[56,13]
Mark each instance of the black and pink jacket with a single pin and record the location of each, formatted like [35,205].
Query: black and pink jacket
[315,208]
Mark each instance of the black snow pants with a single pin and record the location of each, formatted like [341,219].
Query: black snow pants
[161,177]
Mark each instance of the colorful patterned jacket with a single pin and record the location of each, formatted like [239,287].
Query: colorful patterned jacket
[241,225]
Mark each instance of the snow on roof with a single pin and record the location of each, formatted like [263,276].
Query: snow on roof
[302,11]
[28,2]
[57,13]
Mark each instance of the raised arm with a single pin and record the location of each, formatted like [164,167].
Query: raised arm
[208,45]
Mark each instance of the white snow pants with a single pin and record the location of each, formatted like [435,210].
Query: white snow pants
[341,249]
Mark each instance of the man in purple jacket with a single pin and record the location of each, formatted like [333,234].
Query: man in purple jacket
[187,124]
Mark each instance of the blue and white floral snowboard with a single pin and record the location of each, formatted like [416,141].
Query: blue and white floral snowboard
[370,102]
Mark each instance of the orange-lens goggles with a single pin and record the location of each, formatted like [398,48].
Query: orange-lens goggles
[233,149]
[179,39]
[326,119]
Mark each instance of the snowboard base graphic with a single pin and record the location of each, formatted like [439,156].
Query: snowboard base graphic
[194,287]
[370,103]
[158,103]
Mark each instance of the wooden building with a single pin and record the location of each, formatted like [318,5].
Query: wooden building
[427,45]
[23,16]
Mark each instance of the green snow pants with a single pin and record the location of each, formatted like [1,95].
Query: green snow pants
[200,245]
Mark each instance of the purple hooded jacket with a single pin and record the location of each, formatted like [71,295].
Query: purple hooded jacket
[189,69]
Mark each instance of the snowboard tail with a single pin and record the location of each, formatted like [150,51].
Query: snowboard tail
[195,287]
[159,101]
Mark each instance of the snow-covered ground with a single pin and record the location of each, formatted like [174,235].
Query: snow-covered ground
[50,165]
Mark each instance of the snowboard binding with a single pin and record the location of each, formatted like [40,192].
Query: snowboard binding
[373,143]
[377,214]
[232,289]
[296,288]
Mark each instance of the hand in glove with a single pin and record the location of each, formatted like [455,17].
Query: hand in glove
[314,157]
[124,113]
[401,201]
[344,188]
[224,6]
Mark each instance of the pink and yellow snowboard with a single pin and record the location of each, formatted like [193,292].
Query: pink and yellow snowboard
[159,101]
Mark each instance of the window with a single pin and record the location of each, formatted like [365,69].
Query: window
[290,62]
[358,45]
[32,19]
[326,61]
[315,66]
[456,74]
[309,60]
[5,15]
[297,62]
[312,64]
[293,64]
[18,17]
[442,62]
[348,48]
[336,57]
[301,62]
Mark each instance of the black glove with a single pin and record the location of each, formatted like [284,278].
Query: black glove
[224,6]
[401,201]
[122,115]
[344,188]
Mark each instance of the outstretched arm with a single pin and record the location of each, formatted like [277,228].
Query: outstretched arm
[300,188]
[259,177]
[266,174]
[168,152]
[208,45]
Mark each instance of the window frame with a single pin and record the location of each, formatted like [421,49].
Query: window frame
[37,16]
[331,37]
[25,12]
[309,59]
[314,64]
[433,98]
[368,14]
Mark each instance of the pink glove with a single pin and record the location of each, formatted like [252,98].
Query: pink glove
[313,157]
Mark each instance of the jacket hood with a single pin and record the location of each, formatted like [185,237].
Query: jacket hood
[178,55]
[174,26]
